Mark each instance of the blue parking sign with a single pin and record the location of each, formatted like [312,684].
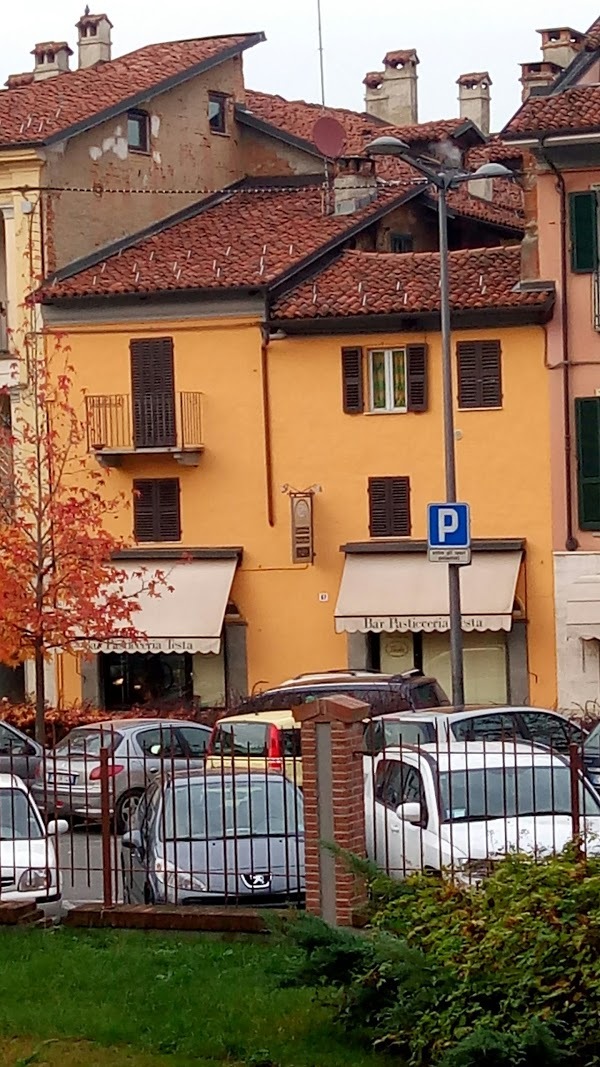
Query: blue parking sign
[449,533]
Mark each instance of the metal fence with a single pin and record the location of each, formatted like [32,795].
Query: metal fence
[155,825]
[121,422]
[138,813]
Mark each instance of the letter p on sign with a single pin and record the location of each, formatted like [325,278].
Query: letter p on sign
[447,523]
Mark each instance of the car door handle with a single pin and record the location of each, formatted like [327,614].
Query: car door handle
[154,770]
[395,829]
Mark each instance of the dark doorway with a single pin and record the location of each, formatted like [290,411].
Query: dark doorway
[153,680]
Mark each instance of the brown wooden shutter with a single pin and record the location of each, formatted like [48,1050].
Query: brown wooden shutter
[352,381]
[156,512]
[479,374]
[153,392]
[416,377]
[389,507]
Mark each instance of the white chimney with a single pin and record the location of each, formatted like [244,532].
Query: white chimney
[537,75]
[95,43]
[474,97]
[51,58]
[561,45]
[354,184]
[391,95]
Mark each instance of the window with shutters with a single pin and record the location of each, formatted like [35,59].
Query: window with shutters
[153,392]
[479,374]
[389,507]
[587,418]
[156,514]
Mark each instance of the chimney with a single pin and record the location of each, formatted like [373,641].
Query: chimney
[354,184]
[391,95]
[560,46]
[18,81]
[475,98]
[536,76]
[95,43]
[51,58]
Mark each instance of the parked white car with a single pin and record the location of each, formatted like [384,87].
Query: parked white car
[28,863]
[464,806]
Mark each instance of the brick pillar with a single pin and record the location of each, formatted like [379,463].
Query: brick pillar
[334,812]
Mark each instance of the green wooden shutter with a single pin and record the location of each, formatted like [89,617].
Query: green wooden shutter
[143,509]
[156,511]
[389,507]
[583,208]
[169,521]
[587,417]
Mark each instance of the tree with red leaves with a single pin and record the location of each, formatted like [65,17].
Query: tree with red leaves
[59,582]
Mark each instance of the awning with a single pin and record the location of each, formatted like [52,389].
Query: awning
[583,608]
[404,591]
[189,619]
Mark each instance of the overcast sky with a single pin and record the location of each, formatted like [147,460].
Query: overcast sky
[452,37]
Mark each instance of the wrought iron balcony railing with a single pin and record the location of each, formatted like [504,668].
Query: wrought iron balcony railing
[120,425]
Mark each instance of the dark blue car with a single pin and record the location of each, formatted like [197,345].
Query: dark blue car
[209,837]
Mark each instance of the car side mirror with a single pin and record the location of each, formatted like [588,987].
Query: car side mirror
[410,812]
[56,827]
[132,840]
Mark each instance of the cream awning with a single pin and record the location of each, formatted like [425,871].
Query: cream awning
[583,608]
[189,619]
[404,591]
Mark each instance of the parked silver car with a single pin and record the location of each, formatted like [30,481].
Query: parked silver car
[213,837]
[19,754]
[138,750]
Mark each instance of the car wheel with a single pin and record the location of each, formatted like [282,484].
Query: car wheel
[126,889]
[125,809]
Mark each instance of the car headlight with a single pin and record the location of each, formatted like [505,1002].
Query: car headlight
[35,878]
[180,881]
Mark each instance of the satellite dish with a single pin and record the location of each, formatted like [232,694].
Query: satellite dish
[329,136]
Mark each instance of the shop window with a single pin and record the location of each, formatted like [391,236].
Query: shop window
[389,507]
[217,112]
[485,665]
[153,680]
[138,131]
[156,509]
[479,374]
[587,416]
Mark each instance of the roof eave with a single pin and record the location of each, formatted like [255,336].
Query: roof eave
[148,94]
[136,296]
[526,315]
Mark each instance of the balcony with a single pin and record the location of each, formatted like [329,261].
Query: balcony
[157,423]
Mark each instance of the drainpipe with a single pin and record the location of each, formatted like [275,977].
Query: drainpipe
[266,397]
[571,542]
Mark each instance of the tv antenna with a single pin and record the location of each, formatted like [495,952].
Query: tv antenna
[321,57]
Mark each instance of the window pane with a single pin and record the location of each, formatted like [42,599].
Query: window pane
[18,820]
[378,380]
[547,730]
[216,114]
[137,132]
[399,377]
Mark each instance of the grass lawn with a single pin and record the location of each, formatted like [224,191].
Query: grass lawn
[129,999]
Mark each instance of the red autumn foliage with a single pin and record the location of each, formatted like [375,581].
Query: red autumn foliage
[59,582]
[60,721]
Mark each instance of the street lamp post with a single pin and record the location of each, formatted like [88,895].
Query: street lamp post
[443,180]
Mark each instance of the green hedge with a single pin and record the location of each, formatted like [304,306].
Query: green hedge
[496,976]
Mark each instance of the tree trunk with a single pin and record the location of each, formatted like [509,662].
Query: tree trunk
[40,695]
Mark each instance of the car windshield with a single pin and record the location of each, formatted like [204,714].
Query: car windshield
[240,739]
[18,820]
[506,792]
[86,744]
[231,807]
[428,695]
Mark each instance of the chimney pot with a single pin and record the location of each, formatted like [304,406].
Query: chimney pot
[537,75]
[391,94]
[94,39]
[474,97]
[51,59]
[561,45]
[354,184]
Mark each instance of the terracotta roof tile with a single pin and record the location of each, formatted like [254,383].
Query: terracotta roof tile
[246,239]
[495,151]
[593,35]
[375,283]
[35,113]
[298,118]
[569,111]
